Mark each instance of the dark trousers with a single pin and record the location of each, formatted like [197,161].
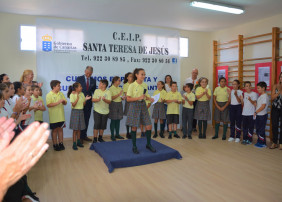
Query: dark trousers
[276,118]
[194,120]
[260,128]
[248,127]
[17,191]
[164,121]
[235,113]
[87,113]
[187,119]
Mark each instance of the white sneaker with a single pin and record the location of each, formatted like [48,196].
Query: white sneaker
[230,139]
[237,140]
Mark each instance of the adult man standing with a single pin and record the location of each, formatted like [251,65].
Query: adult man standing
[194,80]
[88,87]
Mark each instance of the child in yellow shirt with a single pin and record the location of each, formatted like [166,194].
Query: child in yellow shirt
[102,99]
[55,101]
[159,109]
[188,110]
[202,111]
[38,113]
[116,109]
[77,123]
[173,99]
[221,99]
[138,112]
[128,79]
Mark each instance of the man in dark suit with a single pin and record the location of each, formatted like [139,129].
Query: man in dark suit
[88,87]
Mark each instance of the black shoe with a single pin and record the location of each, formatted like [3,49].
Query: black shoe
[223,138]
[87,139]
[162,135]
[119,137]
[31,197]
[94,140]
[176,135]
[79,144]
[169,137]
[184,136]
[214,137]
[194,130]
[200,136]
[74,147]
[128,136]
[151,148]
[156,135]
[135,150]
[113,138]
[61,145]
[189,137]
[100,139]
[56,147]
[204,136]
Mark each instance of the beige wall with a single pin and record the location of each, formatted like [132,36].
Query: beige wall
[14,61]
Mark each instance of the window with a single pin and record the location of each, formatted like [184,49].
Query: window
[184,44]
[28,38]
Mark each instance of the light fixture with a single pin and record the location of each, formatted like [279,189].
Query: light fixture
[217,6]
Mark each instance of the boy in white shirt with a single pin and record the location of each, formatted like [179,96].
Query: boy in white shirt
[249,103]
[261,114]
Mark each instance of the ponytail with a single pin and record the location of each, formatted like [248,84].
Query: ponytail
[73,87]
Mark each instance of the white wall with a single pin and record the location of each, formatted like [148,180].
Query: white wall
[14,61]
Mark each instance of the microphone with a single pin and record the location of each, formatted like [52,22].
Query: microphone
[145,90]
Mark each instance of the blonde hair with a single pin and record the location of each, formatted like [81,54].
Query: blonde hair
[25,73]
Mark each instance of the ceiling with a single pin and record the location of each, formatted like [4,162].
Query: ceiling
[164,13]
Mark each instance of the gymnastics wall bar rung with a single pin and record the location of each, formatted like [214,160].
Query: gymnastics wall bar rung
[232,65]
[257,42]
[280,39]
[227,42]
[248,76]
[261,35]
[228,47]
[233,71]
[252,59]
[232,76]
[248,70]
[232,61]
[249,65]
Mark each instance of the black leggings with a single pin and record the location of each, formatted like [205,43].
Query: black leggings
[276,117]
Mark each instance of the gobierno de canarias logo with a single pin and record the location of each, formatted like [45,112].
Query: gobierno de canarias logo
[46,43]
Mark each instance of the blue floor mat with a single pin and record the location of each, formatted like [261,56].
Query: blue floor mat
[119,154]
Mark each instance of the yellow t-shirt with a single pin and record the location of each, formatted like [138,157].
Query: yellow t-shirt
[125,87]
[102,107]
[57,113]
[38,115]
[114,91]
[200,90]
[221,94]
[81,100]
[173,108]
[162,94]
[136,90]
[191,97]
